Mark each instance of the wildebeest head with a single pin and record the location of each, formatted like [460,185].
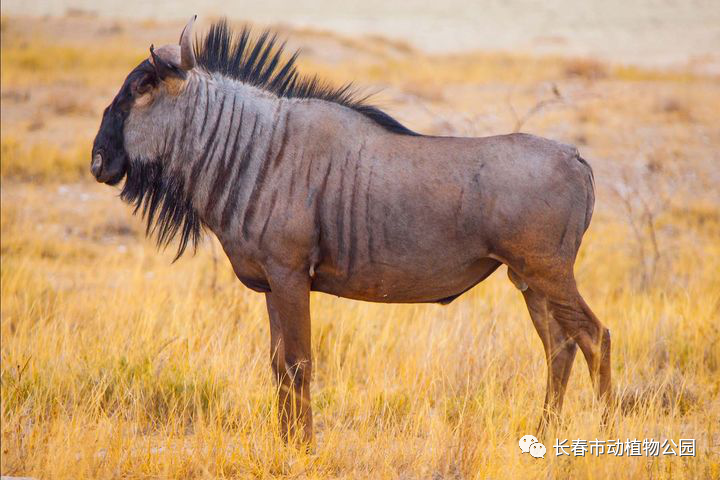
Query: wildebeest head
[147,91]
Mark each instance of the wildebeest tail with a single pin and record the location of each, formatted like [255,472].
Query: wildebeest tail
[590,191]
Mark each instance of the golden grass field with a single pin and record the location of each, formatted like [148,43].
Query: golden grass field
[118,364]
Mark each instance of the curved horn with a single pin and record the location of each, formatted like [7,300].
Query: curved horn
[187,54]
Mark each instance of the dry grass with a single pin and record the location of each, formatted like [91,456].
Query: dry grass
[43,162]
[117,364]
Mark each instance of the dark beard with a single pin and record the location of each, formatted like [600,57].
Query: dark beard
[164,204]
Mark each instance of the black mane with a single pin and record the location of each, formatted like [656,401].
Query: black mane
[258,62]
[163,203]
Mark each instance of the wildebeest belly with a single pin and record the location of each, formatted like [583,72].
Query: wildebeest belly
[393,283]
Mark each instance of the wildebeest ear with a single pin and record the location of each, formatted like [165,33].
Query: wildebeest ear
[165,69]
[146,83]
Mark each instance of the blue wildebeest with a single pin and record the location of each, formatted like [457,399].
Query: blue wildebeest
[308,188]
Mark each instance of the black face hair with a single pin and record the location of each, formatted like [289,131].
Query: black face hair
[109,140]
[258,62]
[163,203]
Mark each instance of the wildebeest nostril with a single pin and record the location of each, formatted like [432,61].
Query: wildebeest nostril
[97,164]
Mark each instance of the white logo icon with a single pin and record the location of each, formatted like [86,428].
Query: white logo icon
[525,443]
[537,450]
[529,444]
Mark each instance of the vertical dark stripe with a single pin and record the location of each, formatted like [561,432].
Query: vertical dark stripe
[353,218]
[190,104]
[286,132]
[233,197]
[320,209]
[200,163]
[207,105]
[252,200]
[224,164]
[170,140]
[368,232]
[261,177]
[323,184]
[229,129]
[308,172]
[340,210]
[298,163]
[233,153]
[269,215]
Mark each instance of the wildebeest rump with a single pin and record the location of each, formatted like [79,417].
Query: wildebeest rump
[308,188]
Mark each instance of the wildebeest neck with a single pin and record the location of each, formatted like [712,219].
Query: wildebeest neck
[210,147]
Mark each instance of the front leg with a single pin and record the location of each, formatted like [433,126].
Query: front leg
[288,306]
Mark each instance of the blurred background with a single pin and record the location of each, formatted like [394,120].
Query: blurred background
[648,32]
[117,363]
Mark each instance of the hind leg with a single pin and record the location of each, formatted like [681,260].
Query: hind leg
[559,348]
[556,282]
[559,353]
[580,323]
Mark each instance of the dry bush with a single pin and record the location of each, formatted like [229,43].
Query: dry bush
[675,108]
[552,98]
[646,194]
[587,69]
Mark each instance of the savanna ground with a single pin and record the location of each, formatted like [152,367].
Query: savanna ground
[116,363]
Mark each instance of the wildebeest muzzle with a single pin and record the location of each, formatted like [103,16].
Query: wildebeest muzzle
[109,159]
